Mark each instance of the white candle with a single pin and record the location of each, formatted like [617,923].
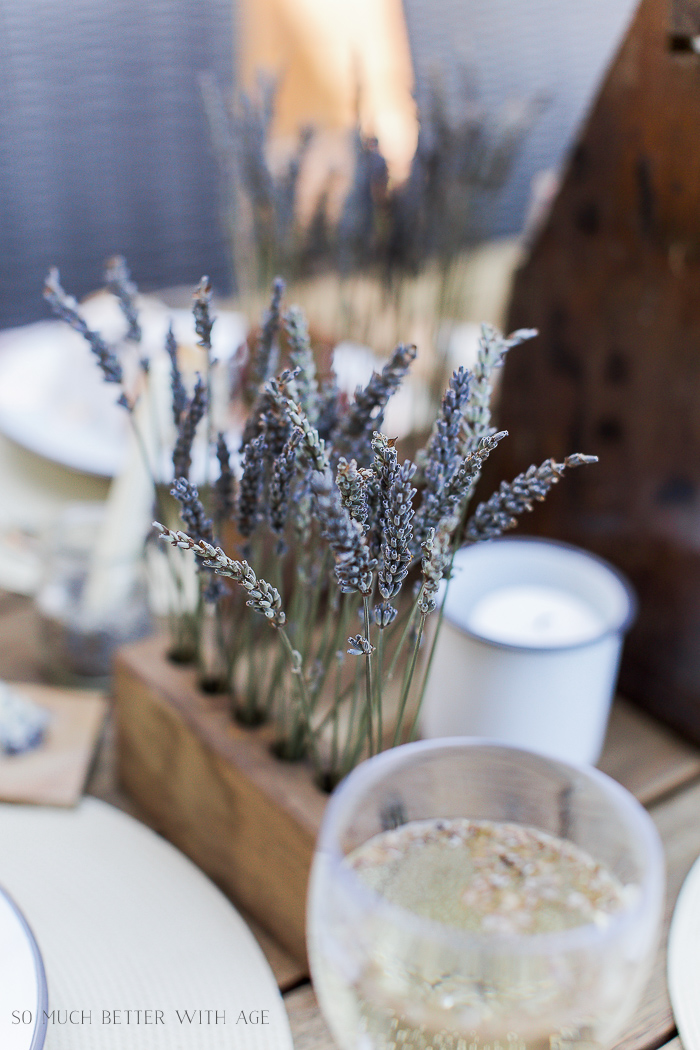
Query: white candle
[528,649]
[534,615]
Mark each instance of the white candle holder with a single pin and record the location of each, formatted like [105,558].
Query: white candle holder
[529,648]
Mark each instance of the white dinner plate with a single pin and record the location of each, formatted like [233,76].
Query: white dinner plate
[22,982]
[128,926]
[53,400]
[684,961]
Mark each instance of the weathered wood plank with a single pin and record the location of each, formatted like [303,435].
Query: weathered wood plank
[678,821]
[309,1030]
[55,773]
[649,759]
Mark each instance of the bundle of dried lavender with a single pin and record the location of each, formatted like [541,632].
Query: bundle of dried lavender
[464,154]
[333,526]
[376,530]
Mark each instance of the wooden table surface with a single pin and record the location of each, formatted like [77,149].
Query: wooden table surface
[662,770]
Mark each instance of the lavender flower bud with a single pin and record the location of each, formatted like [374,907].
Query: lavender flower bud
[313,446]
[359,646]
[493,348]
[264,360]
[500,513]
[225,485]
[250,488]
[262,597]
[354,566]
[192,510]
[366,413]
[119,283]
[304,389]
[328,415]
[203,321]
[395,516]
[442,457]
[191,417]
[65,307]
[281,482]
[179,394]
[384,615]
[437,548]
[352,485]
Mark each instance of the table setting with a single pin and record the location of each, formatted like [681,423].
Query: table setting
[213,773]
[302,745]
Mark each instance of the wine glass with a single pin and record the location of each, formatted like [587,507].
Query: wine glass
[388,978]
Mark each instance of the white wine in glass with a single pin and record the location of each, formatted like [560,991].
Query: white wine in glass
[467,896]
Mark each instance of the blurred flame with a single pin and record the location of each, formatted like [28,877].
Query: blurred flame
[336,59]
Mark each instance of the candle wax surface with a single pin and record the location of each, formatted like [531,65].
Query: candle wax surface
[535,616]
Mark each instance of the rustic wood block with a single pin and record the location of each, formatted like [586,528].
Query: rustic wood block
[214,789]
[250,820]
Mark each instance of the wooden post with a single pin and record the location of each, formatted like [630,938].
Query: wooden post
[613,285]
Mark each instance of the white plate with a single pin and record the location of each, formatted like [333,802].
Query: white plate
[684,961]
[53,400]
[22,982]
[125,922]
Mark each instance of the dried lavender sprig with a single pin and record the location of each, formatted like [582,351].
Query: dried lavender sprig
[359,646]
[500,512]
[248,512]
[264,360]
[443,449]
[275,424]
[392,495]
[283,472]
[352,485]
[200,526]
[397,532]
[305,386]
[442,457]
[493,348]
[329,402]
[253,423]
[179,394]
[192,510]
[366,413]
[191,417]
[262,597]
[314,446]
[201,310]
[270,413]
[119,283]
[457,490]
[354,567]
[225,485]
[437,554]
[65,307]
[462,482]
